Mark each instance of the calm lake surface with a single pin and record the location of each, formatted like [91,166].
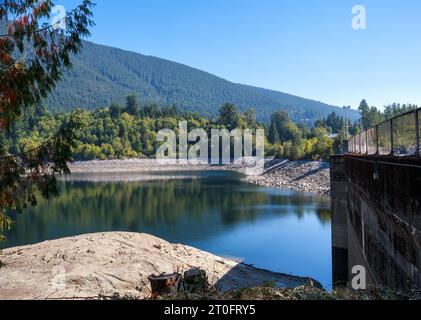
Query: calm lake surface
[219,212]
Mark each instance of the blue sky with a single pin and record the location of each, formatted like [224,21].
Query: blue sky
[303,47]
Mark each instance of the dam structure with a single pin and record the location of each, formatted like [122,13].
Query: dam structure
[376,205]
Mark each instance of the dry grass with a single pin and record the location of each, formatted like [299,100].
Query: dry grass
[270,292]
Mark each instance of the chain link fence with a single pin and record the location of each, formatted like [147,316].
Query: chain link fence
[399,136]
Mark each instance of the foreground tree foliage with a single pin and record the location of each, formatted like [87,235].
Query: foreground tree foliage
[33,55]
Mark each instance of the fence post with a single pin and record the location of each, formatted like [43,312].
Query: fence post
[392,152]
[417,128]
[366,142]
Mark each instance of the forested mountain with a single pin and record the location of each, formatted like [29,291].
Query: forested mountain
[103,75]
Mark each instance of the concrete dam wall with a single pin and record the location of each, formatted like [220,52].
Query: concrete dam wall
[376,219]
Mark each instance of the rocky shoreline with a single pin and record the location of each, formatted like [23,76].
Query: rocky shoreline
[133,166]
[117,263]
[303,176]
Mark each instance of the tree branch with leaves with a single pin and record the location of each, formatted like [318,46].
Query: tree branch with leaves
[33,56]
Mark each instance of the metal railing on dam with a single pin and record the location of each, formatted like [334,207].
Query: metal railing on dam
[399,136]
[376,204]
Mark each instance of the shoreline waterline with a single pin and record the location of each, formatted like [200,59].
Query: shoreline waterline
[302,176]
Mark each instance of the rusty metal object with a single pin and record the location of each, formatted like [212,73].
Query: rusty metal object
[195,280]
[165,284]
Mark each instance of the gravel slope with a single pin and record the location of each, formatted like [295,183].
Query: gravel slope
[305,176]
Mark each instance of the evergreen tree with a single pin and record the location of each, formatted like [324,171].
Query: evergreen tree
[229,116]
[364,110]
[287,129]
[115,111]
[152,111]
[132,105]
[170,111]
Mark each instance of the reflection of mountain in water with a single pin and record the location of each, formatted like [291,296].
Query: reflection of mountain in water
[199,205]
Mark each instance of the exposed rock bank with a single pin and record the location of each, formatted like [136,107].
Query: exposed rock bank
[306,176]
[88,266]
[132,166]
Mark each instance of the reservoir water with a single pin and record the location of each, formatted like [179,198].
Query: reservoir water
[216,211]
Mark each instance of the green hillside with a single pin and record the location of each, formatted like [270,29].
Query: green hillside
[103,75]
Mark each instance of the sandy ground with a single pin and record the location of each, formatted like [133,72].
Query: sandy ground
[87,266]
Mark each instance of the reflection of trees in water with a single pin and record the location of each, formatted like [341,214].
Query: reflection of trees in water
[302,205]
[84,207]
[324,216]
